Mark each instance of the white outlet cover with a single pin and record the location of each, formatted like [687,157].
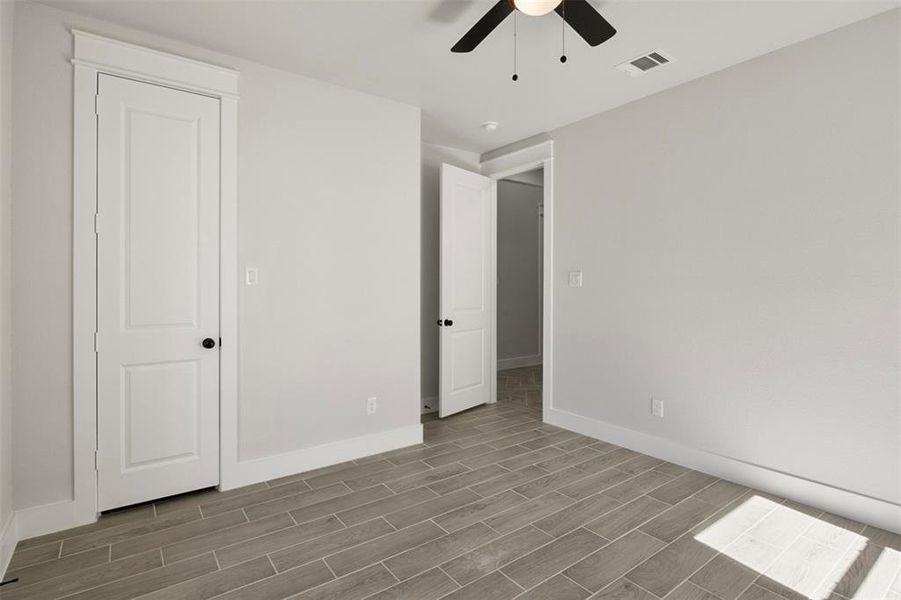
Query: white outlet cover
[371,406]
[575,279]
[252,276]
[657,407]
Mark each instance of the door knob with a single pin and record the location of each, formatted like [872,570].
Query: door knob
[448,322]
[208,343]
[440,322]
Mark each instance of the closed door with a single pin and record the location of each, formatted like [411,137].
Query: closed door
[465,296]
[157,293]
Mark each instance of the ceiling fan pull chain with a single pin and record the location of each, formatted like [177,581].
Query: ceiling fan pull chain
[563,31]
[515,75]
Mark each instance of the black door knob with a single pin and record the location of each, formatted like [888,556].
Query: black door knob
[448,322]
[208,343]
[440,322]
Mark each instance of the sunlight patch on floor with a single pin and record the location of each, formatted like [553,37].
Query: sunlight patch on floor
[800,554]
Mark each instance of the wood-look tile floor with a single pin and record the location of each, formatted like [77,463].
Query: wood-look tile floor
[494,505]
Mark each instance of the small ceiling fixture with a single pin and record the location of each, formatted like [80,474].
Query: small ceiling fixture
[489,125]
[536,8]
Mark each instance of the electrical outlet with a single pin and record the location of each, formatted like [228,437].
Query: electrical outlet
[371,406]
[575,279]
[657,407]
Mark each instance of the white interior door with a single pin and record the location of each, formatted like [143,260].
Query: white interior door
[465,371]
[158,292]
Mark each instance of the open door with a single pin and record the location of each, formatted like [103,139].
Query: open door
[465,291]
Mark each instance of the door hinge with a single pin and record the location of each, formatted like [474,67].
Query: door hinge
[96,341]
[97,104]
[97,223]
[96,460]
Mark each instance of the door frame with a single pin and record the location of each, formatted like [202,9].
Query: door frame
[94,55]
[498,165]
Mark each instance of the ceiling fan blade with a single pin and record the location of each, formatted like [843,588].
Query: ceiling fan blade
[486,25]
[588,22]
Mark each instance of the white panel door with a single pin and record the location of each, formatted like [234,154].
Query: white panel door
[465,296]
[157,292]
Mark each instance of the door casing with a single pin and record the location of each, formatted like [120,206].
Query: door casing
[93,55]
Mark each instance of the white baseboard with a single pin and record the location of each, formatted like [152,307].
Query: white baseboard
[256,470]
[429,405]
[9,537]
[48,518]
[518,361]
[865,509]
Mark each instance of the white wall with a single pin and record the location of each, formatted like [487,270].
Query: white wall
[518,272]
[6,466]
[328,211]
[739,237]
[432,157]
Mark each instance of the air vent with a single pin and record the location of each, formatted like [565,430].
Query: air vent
[642,64]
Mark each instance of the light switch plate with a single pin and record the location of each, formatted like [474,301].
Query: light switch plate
[575,279]
[252,276]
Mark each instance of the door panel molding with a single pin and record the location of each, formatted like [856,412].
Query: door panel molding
[94,55]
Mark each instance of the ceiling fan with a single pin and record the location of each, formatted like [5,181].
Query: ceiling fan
[578,14]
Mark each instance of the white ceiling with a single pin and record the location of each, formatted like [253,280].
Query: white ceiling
[400,49]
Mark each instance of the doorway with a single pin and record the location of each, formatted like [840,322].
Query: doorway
[520,233]
[468,350]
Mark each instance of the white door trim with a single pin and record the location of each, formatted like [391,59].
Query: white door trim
[499,166]
[93,55]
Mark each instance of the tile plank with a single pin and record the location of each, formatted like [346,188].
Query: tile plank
[682,487]
[679,519]
[83,579]
[217,582]
[528,512]
[288,503]
[608,564]
[383,547]
[638,486]
[431,508]
[431,585]
[624,519]
[225,537]
[433,553]
[552,558]
[283,585]
[478,510]
[558,587]
[355,586]
[278,540]
[61,566]
[491,587]
[150,581]
[332,543]
[337,504]
[480,562]
[129,530]
[662,572]
[171,535]
[576,515]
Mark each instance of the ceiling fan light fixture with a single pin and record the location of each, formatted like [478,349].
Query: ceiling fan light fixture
[536,8]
